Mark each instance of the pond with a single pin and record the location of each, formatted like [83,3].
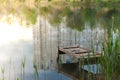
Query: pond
[71,25]
[30,53]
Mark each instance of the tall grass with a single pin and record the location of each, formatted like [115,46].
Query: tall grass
[110,60]
[23,68]
[3,71]
[23,64]
[10,62]
[36,71]
[111,57]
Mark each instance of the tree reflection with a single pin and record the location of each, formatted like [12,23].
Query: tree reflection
[77,14]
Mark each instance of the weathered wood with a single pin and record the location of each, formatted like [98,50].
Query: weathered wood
[79,52]
[83,55]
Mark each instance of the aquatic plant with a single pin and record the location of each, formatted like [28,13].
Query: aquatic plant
[111,54]
[3,71]
[110,58]
[17,79]
[10,61]
[36,71]
[23,68]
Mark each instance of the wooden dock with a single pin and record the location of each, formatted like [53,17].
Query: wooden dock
[79,52]
[84,57]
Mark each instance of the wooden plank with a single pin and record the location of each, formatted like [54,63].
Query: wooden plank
[83,55]
[79,52]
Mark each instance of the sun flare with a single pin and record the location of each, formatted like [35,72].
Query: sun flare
[9,35]
[13,32]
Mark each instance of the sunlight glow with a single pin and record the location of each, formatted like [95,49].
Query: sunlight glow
[13,32]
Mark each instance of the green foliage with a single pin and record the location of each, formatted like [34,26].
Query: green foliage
[37,1]
[89,15]
[36,71]
[18,79]
[55,17]
[44,11]
[22,0]
[116,17]
[55,20]
[49,0]
[23,63]
[67,11]
[30,15]
[77,14]
[111,52]
[23,68]
[3,71]
[74,21]
[110,58]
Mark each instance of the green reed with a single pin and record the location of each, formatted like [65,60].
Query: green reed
[111,54]
[110,58]
[10,62]
[3,71]
[36,71]
[23,68]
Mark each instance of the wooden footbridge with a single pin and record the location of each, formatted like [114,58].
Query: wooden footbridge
[77,70]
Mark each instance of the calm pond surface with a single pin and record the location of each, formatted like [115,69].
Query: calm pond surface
[59,25]
[71,25]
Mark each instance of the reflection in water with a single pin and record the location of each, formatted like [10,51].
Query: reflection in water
[47,39]
[60,25]
[15,42]
[70,24]
[77,13]
[45,53]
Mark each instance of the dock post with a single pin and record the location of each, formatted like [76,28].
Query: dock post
[58,62]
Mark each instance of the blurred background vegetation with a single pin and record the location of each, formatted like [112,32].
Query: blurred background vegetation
[76,12]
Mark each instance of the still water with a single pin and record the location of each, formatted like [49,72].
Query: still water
[56,26]
[47,39]
[71,24]
[16,45]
